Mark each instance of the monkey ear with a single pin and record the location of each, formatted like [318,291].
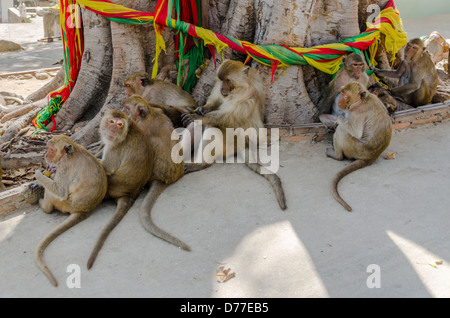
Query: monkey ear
[363,95]
[68,148]
[144,81]
[246,70]
[142,112]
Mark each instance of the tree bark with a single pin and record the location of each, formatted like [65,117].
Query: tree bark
[128,56]
[89,93]
[114,50]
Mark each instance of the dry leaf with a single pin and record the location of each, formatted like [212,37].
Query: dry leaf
[389,155]
[223,274]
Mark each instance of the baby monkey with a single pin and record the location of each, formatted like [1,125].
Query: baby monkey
[363,136]
[78,186]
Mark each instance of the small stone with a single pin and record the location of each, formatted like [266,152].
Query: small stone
[41,76]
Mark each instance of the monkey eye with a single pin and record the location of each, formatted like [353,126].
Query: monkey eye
[120,123]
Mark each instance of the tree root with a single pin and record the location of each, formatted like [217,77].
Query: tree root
[19,123]
[16,113]
[51,86]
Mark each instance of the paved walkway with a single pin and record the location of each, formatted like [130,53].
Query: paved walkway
[229,216]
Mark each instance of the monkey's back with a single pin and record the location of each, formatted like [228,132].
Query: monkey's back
[376,134]
[88,182]
[135,168]
[164,168]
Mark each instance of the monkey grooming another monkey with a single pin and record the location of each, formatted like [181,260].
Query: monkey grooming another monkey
[354,69]
[173,100]
[417,74]
[128,163]
[237,100]
[78,186]
[363,136]
[158,128]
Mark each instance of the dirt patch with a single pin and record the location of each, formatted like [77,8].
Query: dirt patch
[22,86]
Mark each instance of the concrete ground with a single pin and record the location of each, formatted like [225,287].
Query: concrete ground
[228,215]
[387,247]
[37,55]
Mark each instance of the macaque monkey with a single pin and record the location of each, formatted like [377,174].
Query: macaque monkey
[354,69]
[383,94]
[363,136]
[237,100]
[78,186]
[417,76]
[172,99]
[158,128]
[128,162]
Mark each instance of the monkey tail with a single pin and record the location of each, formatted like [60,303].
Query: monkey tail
[72,220]
[274,180]
[145,215]
[123,205]
[355,165]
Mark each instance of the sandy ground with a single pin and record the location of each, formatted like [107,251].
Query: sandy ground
[35,56]
[22,87]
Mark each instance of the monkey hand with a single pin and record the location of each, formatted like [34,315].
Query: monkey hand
[51,170]
[35,186]
[200,111]
[376,70]
[186,119]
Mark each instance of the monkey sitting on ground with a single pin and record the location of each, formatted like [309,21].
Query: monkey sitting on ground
[158,128]
[78,186]
[128,162]
[172,99]
[354,69]
[237,100]
[417,74]
[363,136]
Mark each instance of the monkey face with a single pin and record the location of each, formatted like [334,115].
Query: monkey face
[56,150]
[343,100]
[114,127]
[357,69]
[412,50]
[135,83]
[51,155]
[226,87]
[129,88]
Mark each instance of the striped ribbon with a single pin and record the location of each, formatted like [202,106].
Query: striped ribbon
[326,58]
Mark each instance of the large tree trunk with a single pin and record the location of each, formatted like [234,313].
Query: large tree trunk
[114,50]
[89,93]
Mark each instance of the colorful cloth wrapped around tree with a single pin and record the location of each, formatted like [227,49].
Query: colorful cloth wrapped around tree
[326,58]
